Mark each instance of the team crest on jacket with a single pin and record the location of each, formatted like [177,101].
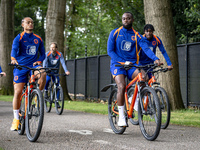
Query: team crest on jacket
[126,45]
[35,41]
[56,57]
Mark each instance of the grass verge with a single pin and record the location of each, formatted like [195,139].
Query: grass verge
[186,117]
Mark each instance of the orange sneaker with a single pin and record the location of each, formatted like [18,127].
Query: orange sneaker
[15,125]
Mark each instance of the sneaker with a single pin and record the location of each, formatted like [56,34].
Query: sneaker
[122,123]
[45,94]
[136,104]
[15,125]
[58,105]
[130,99]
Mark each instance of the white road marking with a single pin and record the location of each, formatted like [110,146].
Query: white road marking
[103,142]
[82,132]
[108,130]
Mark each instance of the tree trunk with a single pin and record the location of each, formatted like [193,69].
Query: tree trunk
[6,38]
[159,14]
[55,32]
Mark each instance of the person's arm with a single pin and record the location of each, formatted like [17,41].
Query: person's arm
[164,53]
[62,60]
[15,50]
[111,45]
[42,53]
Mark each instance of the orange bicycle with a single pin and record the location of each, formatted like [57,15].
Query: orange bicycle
[31,112]
[149,112]
[163,97]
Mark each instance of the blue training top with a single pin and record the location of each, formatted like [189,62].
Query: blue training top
[53,61]
[123,45]
[153,43]
[0,69]
[25,49]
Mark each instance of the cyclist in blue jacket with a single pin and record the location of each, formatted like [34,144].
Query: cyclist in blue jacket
[25,49]
[153,42]
[123,46]
[1,72]
[53,60]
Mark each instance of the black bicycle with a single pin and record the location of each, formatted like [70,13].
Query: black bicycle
[54,95]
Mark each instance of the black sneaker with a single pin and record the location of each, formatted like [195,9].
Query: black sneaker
[58,105]
[45,94]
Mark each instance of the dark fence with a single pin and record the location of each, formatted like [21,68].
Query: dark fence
[89,75]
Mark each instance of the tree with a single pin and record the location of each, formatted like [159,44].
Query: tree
[159,13]
[55,20]
[6,38]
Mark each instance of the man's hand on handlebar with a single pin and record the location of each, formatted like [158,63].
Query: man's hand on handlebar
[14,61]
[170,67]
[67,73]
[158,62]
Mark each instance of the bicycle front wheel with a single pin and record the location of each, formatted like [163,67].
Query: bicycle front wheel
[113,113]
[35,115]
[149,114]
[59,100]
[165,107]
[21,127]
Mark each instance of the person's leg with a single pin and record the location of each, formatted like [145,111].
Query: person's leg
[41,76]
[48,80]
[121,85]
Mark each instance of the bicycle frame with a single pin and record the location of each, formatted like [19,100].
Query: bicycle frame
[129,109]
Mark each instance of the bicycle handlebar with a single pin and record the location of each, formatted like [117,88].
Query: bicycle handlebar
[160,70]
[152,66]
[63,74]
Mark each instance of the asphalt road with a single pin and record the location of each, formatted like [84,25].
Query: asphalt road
[77,130]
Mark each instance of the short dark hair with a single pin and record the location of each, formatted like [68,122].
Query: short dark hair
[128,12]
[54,44]
[149,26]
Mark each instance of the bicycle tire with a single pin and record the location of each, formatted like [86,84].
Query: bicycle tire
[150,119]
[48,102]
[134,119]
[165,107]
[35,116]
[113,117]
[21,127]
[60,100]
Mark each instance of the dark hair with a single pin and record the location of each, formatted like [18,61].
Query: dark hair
[54,44]
[128,12]
[149,26]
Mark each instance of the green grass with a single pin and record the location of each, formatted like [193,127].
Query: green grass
[187,117]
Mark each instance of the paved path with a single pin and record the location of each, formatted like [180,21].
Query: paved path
[77,130]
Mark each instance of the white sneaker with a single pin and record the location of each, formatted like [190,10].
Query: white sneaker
[136,104]
[122,123]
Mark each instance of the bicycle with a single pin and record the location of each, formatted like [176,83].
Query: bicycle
[55,95]
[162,94]
[31,112]
[149,112]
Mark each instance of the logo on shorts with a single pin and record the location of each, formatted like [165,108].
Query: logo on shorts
[115,71]
[126,45]
[35,41]
[16,78]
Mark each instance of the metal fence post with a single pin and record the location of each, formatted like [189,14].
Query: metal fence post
[85,71]
[187,101]
[74,78]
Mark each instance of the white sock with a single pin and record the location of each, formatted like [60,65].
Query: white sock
[121,112]
[16,114]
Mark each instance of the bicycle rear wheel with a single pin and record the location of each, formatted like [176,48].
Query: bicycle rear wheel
[134,119]
[35,115]
[21,127]
[150,116]
[112,113]
[59,100]
[165,107]
[47,101]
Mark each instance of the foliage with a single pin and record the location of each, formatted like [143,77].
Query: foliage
[186,16]
[36,9]
[89,22]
